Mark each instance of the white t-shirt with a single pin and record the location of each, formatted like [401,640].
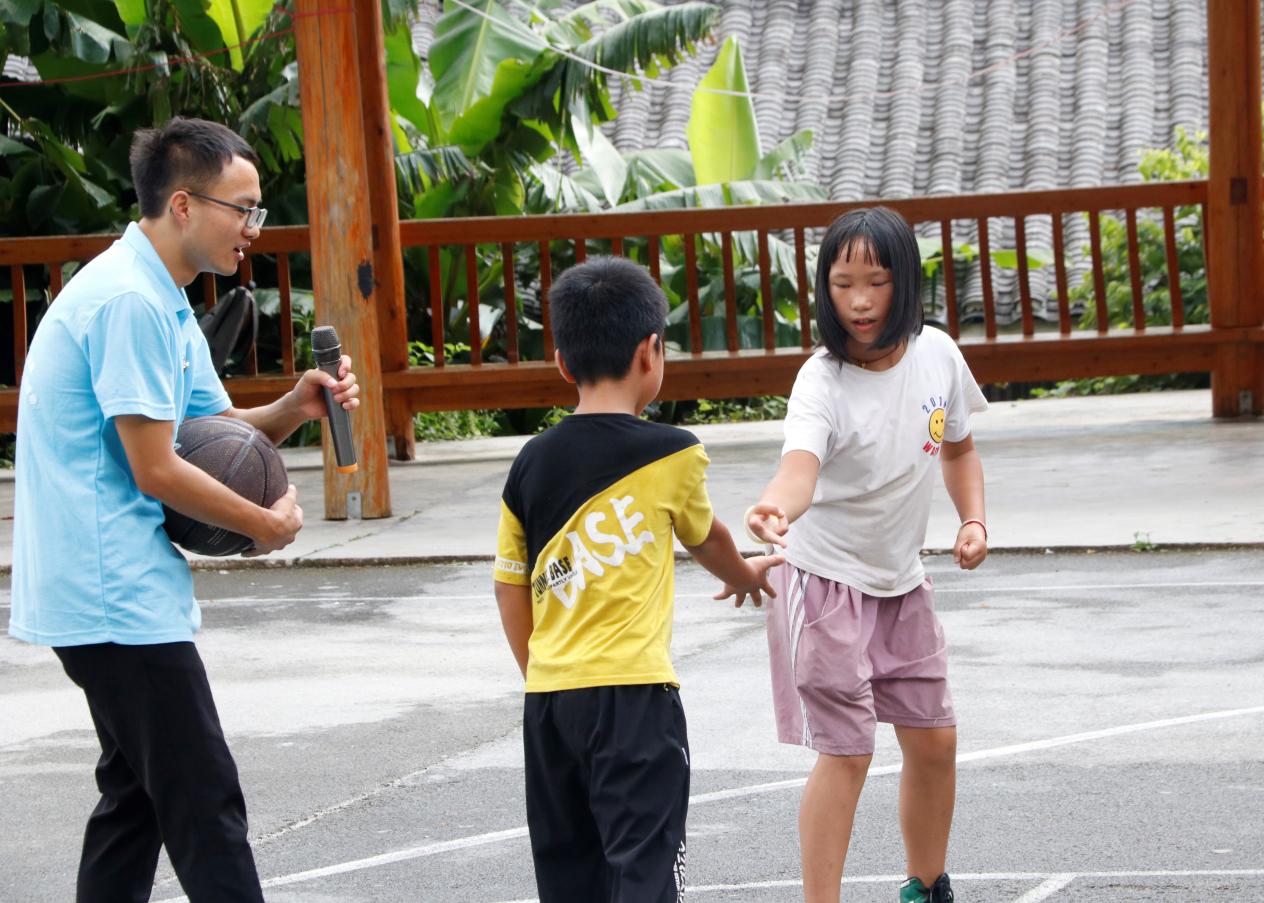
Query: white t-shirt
[877,435]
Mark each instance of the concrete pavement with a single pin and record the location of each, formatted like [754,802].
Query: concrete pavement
[1061,474]
[1110,723]
[1111,708]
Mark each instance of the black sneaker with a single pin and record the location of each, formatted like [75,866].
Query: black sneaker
[914,891]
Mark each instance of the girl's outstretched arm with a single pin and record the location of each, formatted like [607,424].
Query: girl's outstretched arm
[742,576]
[963,477]
[785,498]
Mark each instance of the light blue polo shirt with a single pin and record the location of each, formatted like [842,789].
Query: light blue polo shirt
[91,562]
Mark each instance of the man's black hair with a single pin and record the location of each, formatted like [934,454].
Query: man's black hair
[879,235]
[600,311]
[184,153]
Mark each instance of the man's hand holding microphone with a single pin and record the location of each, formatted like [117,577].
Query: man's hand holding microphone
[327,390]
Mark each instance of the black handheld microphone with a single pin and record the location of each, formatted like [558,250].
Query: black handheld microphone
[328,354]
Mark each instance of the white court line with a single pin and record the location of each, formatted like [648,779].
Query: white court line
[939,591]
[1052,588]
[478,840]
[447,846]
[974,876]
[1046,889]
[997,752]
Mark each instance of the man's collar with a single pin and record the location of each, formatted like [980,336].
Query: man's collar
[136,239]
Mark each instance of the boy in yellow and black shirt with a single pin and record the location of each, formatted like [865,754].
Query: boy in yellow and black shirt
[584,582]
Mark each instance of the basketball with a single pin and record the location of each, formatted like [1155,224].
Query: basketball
[240,457]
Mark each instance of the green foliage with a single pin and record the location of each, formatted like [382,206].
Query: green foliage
[504,101]
[725,194]
[748,300]
[500,92]
[964,254]
[733,410]
[605,161]
[439,426]
[126,65]
[432,426]
[473,126]
[478,126]
[1187,159]
[422,355]
[723,133]
[237,20]
[785,158]
[442,426]
[472,58]
[648,38]
[1120,385]
[665,180]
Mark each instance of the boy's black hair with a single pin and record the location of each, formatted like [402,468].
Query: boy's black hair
[873,232]
[184,153]
[600,311]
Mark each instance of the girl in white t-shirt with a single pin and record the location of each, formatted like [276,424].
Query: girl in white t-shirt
[852,634]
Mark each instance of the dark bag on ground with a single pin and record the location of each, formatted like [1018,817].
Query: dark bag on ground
[230,328]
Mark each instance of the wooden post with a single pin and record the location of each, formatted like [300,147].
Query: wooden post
[379,145]
[1235,254]
[342,249]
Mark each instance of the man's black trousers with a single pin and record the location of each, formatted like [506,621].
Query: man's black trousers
[165,775]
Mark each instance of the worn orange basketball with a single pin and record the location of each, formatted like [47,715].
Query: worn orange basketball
[240,457]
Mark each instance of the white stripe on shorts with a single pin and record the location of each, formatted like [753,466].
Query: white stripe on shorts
[796,614]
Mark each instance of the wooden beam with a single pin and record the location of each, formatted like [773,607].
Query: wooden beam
[723,374]
[500,229]
[343,278]
[774,217]
[388,270]
[1232,351]
[1235,256]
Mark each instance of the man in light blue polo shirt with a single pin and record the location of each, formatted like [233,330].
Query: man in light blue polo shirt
[117,363]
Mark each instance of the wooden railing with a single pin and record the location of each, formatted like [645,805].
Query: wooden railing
[1027,354]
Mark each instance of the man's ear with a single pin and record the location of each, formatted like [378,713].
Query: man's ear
[561,366]
[178,206]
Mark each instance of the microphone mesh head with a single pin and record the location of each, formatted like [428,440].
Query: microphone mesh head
[324,338]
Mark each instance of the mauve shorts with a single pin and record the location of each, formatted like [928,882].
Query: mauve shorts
[843,660]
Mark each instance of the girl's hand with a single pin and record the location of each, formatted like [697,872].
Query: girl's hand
[758,583]
[971,546]
[767,523]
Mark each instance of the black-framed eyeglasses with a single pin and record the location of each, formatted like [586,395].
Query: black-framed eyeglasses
[254,215]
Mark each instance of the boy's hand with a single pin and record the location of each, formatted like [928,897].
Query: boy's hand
[758,582]
[767,523]
[971,546]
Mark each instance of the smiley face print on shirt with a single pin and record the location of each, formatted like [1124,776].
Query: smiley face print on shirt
[934,409]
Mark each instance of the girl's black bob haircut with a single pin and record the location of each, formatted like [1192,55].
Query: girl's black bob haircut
[873,232]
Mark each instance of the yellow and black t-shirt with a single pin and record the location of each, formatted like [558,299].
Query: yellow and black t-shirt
[586,522]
